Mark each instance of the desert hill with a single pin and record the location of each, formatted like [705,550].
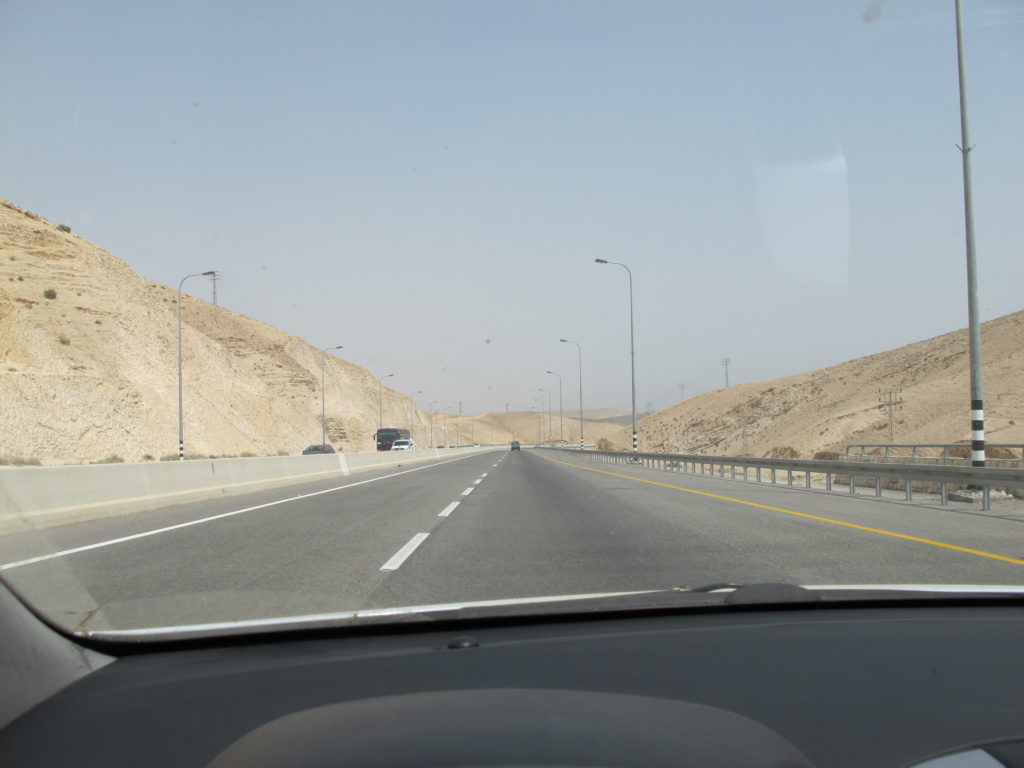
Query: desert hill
[88,367]
[826,409]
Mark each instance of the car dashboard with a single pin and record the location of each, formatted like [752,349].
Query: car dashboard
[885,684]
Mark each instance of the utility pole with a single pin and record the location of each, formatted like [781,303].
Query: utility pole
[891,402]
[682,391]
[458,422]
[973,323]
[213,277]
[726,362]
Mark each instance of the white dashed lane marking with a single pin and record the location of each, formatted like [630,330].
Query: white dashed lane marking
[396,562]
[449,509]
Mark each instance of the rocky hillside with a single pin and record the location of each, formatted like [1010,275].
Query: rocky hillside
[824,410]
[88,366]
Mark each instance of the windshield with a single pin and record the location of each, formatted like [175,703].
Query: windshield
[743,280]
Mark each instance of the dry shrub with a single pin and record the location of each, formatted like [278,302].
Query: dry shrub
[826,456]
[782,452]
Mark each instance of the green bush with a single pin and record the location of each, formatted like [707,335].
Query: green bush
[64,340]
[49,293]
[111,459]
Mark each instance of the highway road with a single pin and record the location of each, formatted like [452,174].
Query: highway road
[497,524]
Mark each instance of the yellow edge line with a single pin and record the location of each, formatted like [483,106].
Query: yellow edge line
[940,544]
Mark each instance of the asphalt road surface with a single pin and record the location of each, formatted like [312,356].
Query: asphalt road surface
[499,524]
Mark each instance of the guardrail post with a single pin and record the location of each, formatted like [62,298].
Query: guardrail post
[733,471]
[789,477]
[910,490]
[878,485]
[807,479]
[757,473]
[853,485]
[986,498]
[773,475]
[943,494]
[828,481]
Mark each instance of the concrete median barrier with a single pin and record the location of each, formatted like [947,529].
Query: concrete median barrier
[43,497]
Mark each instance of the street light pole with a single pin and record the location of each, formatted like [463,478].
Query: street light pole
[323,397]
[633,353]
[541,389]
[181,400]
[380,400]
[561,421]
[432,404]
[412,411]
[579,349]
[973,324]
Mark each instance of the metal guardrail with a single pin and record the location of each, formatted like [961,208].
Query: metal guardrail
[887,450]
[751,469]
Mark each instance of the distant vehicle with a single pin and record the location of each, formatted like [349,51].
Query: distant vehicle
[386,437]
[403,445]
[314,449]
[515,445]
[476,445]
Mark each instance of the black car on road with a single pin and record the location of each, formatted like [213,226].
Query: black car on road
[313,449]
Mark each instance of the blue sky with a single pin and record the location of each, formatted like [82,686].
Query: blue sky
[428,183]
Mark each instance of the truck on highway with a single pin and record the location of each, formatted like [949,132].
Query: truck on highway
[386,436]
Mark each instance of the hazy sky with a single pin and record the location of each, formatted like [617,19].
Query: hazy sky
[429,183]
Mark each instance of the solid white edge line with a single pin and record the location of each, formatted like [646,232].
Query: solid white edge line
[449,509]
[468,491]
[399,557]
[144,534]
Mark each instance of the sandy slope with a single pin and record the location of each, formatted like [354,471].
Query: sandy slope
[826,409]
[111,389]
